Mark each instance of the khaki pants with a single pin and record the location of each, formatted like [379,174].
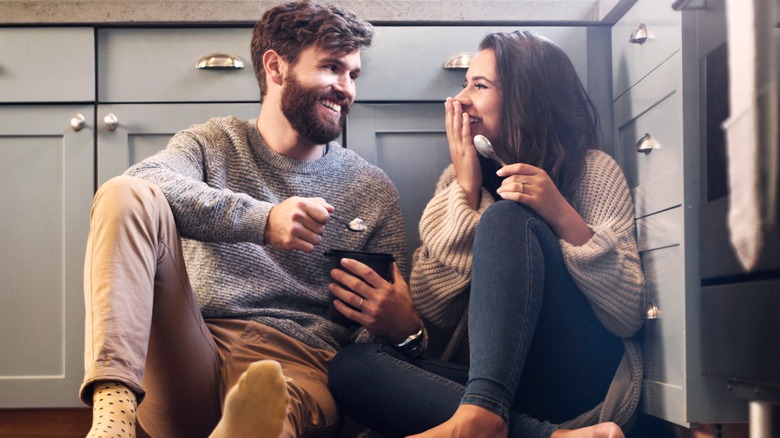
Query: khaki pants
[145,330]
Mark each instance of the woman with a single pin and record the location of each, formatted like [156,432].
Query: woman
[527,275]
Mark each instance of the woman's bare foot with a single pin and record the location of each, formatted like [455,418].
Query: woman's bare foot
[601,430]
[469,421]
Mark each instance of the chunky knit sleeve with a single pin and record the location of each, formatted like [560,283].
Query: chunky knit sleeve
[441,269]
[607,268]
[207,211]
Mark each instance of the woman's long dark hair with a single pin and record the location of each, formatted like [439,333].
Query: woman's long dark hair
[548,119]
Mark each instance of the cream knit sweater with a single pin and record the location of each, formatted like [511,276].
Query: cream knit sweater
[607,270]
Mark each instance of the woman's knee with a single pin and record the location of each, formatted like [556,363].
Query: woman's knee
[505,210]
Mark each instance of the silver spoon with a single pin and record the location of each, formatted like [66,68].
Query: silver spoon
[483,146]
[357,225]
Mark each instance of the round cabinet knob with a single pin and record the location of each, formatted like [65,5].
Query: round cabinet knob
[77,122]
[111,122]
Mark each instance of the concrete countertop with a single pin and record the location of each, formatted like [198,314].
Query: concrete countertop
[139,12]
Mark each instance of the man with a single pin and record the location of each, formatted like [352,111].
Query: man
[224,330]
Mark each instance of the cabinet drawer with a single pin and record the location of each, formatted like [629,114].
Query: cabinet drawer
[653,107]
[47,64]
[159,65]
[741,331]
[398,67]
[664,337]
[633,61]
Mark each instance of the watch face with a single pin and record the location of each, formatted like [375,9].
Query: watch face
[413,343]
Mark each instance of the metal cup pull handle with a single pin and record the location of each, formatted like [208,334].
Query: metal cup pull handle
[645,144]
[652,311]
[639,35]
[220,61]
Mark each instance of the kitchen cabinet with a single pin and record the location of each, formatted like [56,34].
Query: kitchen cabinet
[189,75]
[82,104]
[656,80]
[46,173]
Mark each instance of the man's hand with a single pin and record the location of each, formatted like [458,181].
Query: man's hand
[297,223]
[384,309]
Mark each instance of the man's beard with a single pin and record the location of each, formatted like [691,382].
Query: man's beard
[300,106]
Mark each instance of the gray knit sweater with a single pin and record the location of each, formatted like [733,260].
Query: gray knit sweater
[607,270]
[221,181]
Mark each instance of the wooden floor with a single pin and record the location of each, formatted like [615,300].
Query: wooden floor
[48,423]
[75,423]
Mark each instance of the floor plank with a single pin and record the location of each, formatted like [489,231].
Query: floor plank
[48,423]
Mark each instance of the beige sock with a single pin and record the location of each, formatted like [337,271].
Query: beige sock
[113,411]
[257,406]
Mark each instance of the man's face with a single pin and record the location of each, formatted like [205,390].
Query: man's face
[318,92]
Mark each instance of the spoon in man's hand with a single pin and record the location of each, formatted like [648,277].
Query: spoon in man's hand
[357,225]
[483,146]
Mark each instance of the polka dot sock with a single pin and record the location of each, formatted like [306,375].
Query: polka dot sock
[113,411]
[257,405]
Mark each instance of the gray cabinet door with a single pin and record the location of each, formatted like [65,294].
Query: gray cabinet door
[142,129]
[409,143]
[46,187]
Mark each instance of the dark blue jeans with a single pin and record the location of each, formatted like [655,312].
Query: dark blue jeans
[538,355]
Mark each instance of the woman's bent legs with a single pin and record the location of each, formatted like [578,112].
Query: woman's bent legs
[526,318]
[536,344]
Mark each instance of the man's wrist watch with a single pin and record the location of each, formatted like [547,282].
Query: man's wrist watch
[413,342]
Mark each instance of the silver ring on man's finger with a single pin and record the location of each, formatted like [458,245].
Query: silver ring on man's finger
[360,305]
[522,185]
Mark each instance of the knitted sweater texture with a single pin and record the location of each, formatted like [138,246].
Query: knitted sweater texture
[606,269]
[221,180]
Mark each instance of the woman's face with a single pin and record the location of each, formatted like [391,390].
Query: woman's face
[481,96]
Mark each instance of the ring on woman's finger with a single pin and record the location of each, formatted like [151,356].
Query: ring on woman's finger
[522,185]
[360,305]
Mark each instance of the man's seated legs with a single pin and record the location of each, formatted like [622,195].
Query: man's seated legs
[143,325]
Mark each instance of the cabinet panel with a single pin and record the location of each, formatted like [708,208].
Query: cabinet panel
[47,179]
[405,63]
[663,341]
[657,91]
[143,129]
[660,238]
[47,64]
[633,61]
[159,65]
[652,107]
[409,143]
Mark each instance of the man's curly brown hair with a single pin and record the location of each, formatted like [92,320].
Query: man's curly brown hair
[293,27]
